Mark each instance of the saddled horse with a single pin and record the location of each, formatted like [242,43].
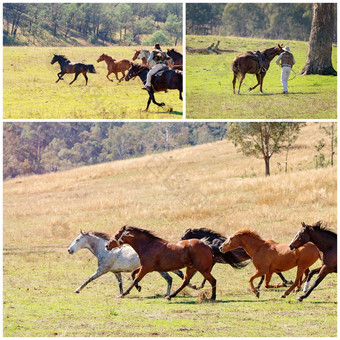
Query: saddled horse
[177,59]
[67,67]
[161,81]
[271,257]
[326,241]
[117,261]
[248,63]
[235,258]
[115,66]
[157,254]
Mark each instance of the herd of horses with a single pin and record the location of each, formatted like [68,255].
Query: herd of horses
[139,251]
[169,79]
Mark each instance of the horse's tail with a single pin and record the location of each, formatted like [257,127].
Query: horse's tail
[235,66]
[90,68]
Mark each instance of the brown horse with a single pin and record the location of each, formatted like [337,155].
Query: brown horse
[156,254]
[136,55]
[326,241]
[248,63]
[67,67]
[114,66]
[271,257]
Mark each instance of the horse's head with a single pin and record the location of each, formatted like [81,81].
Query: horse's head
[135,56]
[121,237]
[301,237]
[101,58]
[133,71]
[230,243]
[280,49]
[78,243]
[54,59]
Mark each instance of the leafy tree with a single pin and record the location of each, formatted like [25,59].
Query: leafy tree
[158,37]
[173,26]
[261,140]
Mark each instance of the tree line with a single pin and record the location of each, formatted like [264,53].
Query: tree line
[37,148]
[289,21]
[106,23]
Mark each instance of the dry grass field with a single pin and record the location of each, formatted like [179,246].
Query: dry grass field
[209,186]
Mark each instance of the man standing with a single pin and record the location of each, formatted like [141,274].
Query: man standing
[286,61]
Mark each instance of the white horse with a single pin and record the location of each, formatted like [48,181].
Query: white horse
[146,55]
[118,260]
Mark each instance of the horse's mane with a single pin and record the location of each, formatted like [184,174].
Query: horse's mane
[205,230]
[143,231]
[62,57]
[99,234]
[108,57]
[138,66]
[247,231]
[318,226]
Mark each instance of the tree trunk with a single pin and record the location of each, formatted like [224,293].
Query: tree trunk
[267,159]
[319,54]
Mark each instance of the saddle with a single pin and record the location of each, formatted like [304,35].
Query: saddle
[259,58]
[160,72]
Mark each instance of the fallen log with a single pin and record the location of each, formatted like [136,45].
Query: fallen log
[208,50]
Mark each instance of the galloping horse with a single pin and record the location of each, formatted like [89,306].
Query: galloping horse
[164,80]
[144,55]
[271,257]
[67,67]
[247,63]
[124,259]
[326,241]
[137,56]
[156,254]
[234,258]
[114,66]
[177,59]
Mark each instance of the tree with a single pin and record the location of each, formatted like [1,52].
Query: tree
[261,140]
[319,54]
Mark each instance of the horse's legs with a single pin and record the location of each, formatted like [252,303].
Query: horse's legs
[180,95]
[262,76]
[260,283]
[309,277]
[148,104]
[116,74]
[60,74]
[120,282]
[258,77]
[299,273]
[122,77]
[284,280]
[323,272]
[181,275]
[141,273]
[241,80]
[212,281]
[154,100]
[85,76]
[75,77]
[99,272]
[251,279]
[188,275]
[133,274]
[234,82]
[168,279]
[107,76]
[268,278]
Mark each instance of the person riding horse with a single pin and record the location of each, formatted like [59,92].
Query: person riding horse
[160,58]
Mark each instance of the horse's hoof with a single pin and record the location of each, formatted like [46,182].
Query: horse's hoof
[168,297]
[257,294]
[139,288]
[283,296]
[120,296]
[162,104]
[76,291]
[249,89]
[300,299]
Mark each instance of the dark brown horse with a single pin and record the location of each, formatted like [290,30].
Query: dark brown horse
[67,67]
[177,59]
[249,63]
[156,254]
[114,66]
[326,241]
[164,80]
[271,257]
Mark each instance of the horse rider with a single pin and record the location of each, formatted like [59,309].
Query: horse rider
[160,58]
[286,61]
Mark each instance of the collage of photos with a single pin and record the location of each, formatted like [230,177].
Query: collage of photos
[169,169]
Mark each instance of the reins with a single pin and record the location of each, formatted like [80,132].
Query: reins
[136,74]
[294,75]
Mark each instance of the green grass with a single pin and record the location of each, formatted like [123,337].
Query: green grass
[30,90]
[209,92]
[39,301]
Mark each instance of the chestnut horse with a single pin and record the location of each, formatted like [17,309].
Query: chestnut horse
[114,66]
[156,254]
[248,63]
[326,241]
[271,257]
[137,56]
[67,67]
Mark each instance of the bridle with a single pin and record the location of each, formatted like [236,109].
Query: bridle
[120,240]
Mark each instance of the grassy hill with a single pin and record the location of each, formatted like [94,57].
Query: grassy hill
[209,185]
[210,93]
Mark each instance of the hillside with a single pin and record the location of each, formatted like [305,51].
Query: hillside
[210,185]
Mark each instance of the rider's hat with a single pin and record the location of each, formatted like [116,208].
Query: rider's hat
[286,48]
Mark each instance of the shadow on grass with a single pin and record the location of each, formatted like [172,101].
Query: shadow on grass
[281,94]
